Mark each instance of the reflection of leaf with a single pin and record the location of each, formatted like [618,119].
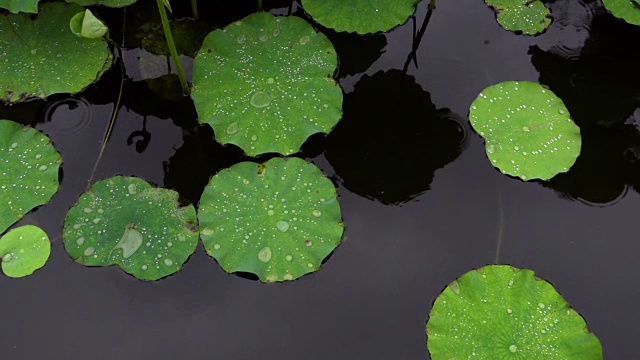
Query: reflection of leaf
[357,52]
[500,312]
[16,6]
[391,164]
[526,16]
[360,16]
[28,171]
[46,57]
[264,84]
[24,250]
[109,3]
[277,220]
[126,221]
[528,130]
[627,10]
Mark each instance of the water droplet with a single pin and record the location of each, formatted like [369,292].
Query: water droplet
[270,212]
[525,128]
[516,148]
[207,231]
[232,128]
[38,156]
[260,99]
[276,32]
[561,112]
[130,242]
[34,51]
[168,262]
[510,283]
[513,348]
[254,138]
[96,220]
[265,254]
[264,37]
[42,167]
[304,40]
[144,267]
[282,226]
[316,213]
[288,257]
[89,251]
[541,305]
[14,145]
[80,241]
[491,149]
[308,243]
[216,247]
[509,311]
[245,181]
[7,257]
[270,81]
[309,265]
[132,189]
[288,276]
[455,287]
[241,39]
[88,210]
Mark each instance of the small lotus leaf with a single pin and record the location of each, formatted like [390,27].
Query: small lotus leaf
[265,84]
[360,16]
[627,10]
[529,17]
[43,57]
[500,312]
[528,130]
[86,25]
[109,3]
[24,250]
[28,171]
[128,222]
[16,6]
[277,220]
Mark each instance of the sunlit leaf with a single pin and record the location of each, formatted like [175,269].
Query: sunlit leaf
[24,250]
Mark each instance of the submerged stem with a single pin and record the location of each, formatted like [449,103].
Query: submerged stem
[194,9]
[172,47]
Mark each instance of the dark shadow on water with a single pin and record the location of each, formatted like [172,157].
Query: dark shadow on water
[392,139]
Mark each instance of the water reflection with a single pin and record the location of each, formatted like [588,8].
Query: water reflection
[599,85]
[392,139]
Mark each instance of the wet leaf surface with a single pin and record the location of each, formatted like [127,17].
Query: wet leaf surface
[627,10]
[24,250]
[526,16]
[16,6]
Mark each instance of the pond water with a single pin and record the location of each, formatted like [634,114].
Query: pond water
[421,203]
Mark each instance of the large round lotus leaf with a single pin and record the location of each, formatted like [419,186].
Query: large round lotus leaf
[360,16]
[265,84]
[529,17]
[24,250]
[277,220]
[528,130]
[28,171]
[627,10]
[42,57]
[109,3]
[128,222]
[500,312]
[16,6]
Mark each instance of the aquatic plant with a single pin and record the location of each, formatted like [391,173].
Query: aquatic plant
[627,10]
[525,16]
[24,250]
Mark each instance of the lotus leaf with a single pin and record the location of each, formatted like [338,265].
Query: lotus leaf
[500,312]
[29,171]
[627,10]
[43,57]
[16,6]
[265,84]
[528,130]
[24,250]
[86,25]
[127,222]
[277,220]
[360,16]
[109,3]
[528,16]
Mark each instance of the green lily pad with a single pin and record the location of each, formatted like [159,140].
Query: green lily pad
[265,84]
[360,16]
[500,312]
[109,3]
[529,17]
[277,220]
[528,130]
[16,6]
[43,57]
[28,171]
[24,250]
[86,25]
[627,10]
[127,222]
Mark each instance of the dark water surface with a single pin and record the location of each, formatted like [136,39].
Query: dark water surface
[421,203]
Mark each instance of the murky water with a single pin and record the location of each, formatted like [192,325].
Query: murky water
[421,203]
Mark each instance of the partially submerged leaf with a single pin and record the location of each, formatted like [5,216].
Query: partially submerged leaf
[528,16]
[265,84]
[28,171]
[277,220]
[109,3]
[16,6]
[627,10]
[128,222]
[43,57]
[86,25]
[528,130]
[24,250]
[500,312]
[360,16]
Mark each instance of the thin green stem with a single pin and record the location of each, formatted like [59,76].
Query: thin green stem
[194,9]
[172,47]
